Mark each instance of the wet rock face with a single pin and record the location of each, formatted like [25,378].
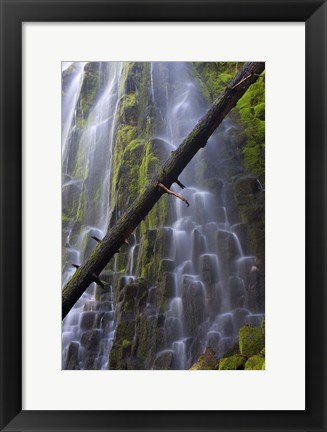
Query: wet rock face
[209,268]
[193,298]
[90,340]
[251,341]
[245,185]
[207,361]
[70,197]
[250,199]
[144,343]
[130,324]
[72,360]
[228,251]
[240,229]
[163,361]
[198,247]
[87,320]
[92,85]
[237,294]
[166,290]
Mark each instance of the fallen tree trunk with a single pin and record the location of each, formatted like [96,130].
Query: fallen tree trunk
[159,185]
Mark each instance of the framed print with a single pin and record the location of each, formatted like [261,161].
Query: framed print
[172,190]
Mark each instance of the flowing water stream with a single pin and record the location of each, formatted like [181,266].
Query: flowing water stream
[206,252]
[83,350]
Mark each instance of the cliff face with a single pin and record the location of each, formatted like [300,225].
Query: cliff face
[189,278]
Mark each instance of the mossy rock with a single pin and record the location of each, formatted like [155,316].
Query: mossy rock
[90,90]
[87,320]
[207,361]
[234,349]
[145,336]
[255,362]
[125,330]
[72,356]
[245,185]
[126,343]
[90,340]
[251,341]
[163,361]
[235,362]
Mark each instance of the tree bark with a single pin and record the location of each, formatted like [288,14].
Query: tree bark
[167,175]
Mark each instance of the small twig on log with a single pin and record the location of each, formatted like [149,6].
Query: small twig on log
[180,184]
[96,239]
[126,242]
[170,192]
[76,266]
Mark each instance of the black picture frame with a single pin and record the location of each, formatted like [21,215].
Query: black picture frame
[13,14]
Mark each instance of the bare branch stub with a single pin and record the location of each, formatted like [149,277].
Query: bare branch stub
[170,192]
[180,184]
[96,239]
[97,280]
[76,266]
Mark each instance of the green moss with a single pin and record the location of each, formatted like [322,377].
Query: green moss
[213,78]
[235,362]
[146,329]
[126,343]
[215,75]
[90,89]
[207,361]
[82,206]
[125,330]
[259,111]
[65,218]
[126,134]
[251,341]
[255,362]
[135,161]
[251,108]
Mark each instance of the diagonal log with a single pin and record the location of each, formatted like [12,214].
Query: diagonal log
[167,175]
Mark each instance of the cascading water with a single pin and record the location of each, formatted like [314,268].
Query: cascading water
[87,331]
[206,252]
[211,302]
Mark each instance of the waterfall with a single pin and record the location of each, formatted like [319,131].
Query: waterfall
[210,303]
[88,330]
[208,258]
